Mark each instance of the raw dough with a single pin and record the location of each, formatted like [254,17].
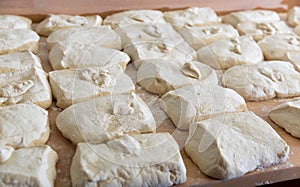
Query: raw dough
[5,153]
[287,116]
[139,160]
[103,118]
[72,86]
[31,166]
[193,16]
[260,30]
[14,22]
[23,125]
[21,83]
[293,16]
[235,18]
[264,80]
[16,40]
[232,145]
[159,76]
[134,16]
[193,103]
[200,36]
[102,36]
[277,46]
[226,53]
[78,56]
[61,21]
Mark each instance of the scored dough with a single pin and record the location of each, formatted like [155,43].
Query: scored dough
[193,103]
[60,21]
[14,22]
[264,80]
[200,36]
[31,166]
[78,56]
[260,30]
[293,16]
[193,16]
[134,16]
[103,118]
[138,160]
[102,36]
[72,86]
[287,116]
[16,40]
[225,53]
[232,145]
[159,76]
[235,18]
[23,125]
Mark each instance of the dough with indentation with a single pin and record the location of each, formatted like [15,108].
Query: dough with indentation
[14,22]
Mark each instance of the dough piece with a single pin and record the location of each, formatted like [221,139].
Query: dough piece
[104,118]
[134,16]
[259,16]
[260,30]
[78,56]
[61,21]
[194,103]
[16,40]
[293,16]
[277,46]
[193,16]
[31,166]
[263,81]
[226,53]
[23,125]
[294,58]
[160,76]
[23,85]
[5,153]
[14,22]
[72,86]
[231,145]
[17,61]
[287,116]
[200,36]
[159,49]
[102,36]
[297,30]
[139,160]
[143,32]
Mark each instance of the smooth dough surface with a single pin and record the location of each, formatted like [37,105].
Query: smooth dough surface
[232,145]
[287,116]
[14,22]
[293,16]
[138,160]
[79,56]
[194,103]
[17,40]
[71,86]
[61,21]
[264,80]
[103,118]
[225,53]
[102,36]
[200,36]
[133,16]
[160,76]
[31,166]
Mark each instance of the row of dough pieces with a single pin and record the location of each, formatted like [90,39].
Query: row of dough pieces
[122,108]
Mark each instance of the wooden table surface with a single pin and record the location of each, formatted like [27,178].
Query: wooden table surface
[38,9]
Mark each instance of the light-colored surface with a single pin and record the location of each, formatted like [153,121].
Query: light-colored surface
[265,80]
[31,166]
[287,116]
[138,160]
[61,21]
[23,125]
[14,22]
[231,145]
[293,16]
[199,102]
[17,61]
[104,118]
[5,153]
